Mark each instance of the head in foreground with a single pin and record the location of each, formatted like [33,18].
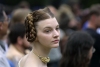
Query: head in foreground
[78,50]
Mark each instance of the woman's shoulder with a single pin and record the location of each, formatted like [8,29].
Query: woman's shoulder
[25,62]
[22,61]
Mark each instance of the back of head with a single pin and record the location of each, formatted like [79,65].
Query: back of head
[32,19]
[65,9]
[19,15]
[16,30]
[24,4]
[77,49]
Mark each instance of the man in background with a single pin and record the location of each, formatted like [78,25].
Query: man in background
[18,43]
[93,24]
[3,33]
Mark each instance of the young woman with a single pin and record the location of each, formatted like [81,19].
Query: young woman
[78,50]
[42,31]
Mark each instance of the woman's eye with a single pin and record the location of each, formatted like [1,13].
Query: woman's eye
[57,28]
[47,31]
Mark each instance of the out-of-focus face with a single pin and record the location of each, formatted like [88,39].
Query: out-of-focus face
[98,21]
[4,25]
[4,28]
[0,25]
[25,43]
[48,33]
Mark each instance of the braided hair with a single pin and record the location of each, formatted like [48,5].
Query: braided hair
[32,19]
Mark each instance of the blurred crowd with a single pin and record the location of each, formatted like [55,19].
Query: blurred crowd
[71,18]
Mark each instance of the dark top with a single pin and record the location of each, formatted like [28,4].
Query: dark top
[95,60]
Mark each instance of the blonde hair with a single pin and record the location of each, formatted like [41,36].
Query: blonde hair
[65,9]
[19,15]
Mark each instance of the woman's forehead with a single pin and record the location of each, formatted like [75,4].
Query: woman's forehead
[51,22]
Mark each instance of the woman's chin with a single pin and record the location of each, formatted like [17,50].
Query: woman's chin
[55,45]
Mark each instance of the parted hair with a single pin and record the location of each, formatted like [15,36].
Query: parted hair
[32,19]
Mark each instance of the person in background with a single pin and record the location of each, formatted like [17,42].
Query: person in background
[78,50]
[18,16]
[18,43]
[93,24]
[3,32]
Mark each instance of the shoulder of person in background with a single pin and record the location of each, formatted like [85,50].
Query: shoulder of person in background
[3,61]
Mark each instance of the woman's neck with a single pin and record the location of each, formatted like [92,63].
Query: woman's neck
[41,50]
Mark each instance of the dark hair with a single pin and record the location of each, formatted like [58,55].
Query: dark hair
[76,53]
[64,21]
[31,20]
[95,9]
[16,30]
